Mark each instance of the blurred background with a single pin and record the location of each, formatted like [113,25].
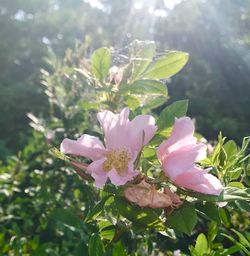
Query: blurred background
[216,34]
[45,49]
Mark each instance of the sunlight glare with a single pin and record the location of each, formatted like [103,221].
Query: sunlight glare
[170,4]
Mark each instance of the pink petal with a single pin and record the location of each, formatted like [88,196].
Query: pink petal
[199,181]
[178,155]
[97,172]
[87,146]
[181,136]
[121,133]
[118,180]
[183,159]
[139,125]
[222,204]
[115,128]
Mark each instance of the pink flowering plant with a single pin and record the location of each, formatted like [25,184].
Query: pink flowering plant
[123,139]
[149,168]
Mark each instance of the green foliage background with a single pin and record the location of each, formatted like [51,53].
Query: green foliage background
[216,35]
[44,48]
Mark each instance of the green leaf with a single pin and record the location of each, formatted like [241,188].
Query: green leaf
[152,103]
[235,174]
[108,232]
[95,212]
[143,217]
[217,151]
[149,152]
[166,66]
[119,249]
[243,205]
[242,239]
[225,217]
[144,87]
[96,247]
[234,193]
[231,149]
[67,218]
[103,223]
[203,197]
[230,251]
[149,93]
[142,58]
[242,247]
[111,189]
[201,246]
[183,219]
[168,115]
[87,105]
[100,63]
[107,229]
[212,232]
[236,184]
[132,102]
[210,210]
[57,153]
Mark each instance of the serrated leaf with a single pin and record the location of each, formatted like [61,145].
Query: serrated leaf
[100,63]
[141,217]
[166,66]
[168,114]
[96,247]
[183,219]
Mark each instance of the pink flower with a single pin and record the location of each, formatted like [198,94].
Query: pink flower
[124,139]
[178,156]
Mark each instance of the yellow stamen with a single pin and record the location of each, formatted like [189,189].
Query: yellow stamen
[118,160]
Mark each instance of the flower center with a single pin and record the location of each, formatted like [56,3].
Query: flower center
[118,160]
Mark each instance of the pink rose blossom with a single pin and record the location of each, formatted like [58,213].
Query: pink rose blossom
[123,141]
[178,156]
